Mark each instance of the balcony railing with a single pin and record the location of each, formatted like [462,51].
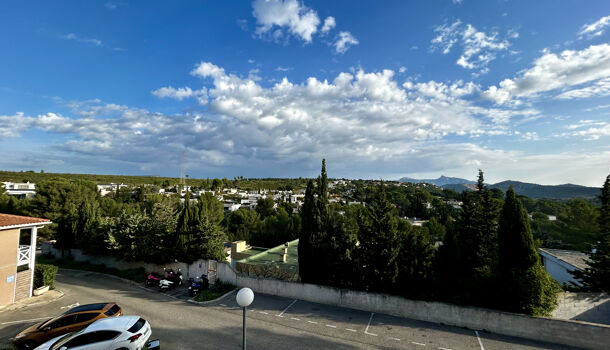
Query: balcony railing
[24,255]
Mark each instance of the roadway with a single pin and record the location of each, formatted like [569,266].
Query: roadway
[273,322]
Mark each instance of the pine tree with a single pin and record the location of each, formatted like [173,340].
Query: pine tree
[379,244]
[525,285]
[597,276]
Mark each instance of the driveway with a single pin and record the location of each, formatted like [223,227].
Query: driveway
[273,322]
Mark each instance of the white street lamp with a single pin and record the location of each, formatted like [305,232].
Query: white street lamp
[244,297]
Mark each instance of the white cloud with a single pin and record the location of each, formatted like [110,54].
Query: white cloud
[457,1]
[329,23]
[181,93]
[296,18]
[552,71]
[367,124]
[594,29]
[345,40]
[282,69]
[599,88]
[478,48]
[402,69]
[90,41]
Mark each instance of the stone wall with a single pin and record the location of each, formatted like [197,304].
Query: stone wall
[22,290]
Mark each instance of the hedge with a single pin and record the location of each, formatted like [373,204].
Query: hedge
[44,275]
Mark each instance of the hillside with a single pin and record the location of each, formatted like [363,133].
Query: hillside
[565,191]
[536,191]
[441,181]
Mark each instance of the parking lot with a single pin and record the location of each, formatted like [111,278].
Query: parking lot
[273,322]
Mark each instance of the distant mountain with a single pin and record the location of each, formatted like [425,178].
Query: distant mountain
[565,191]
[441,181]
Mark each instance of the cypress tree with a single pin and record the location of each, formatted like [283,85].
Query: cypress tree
[307,230]
[597,276]
[525,285]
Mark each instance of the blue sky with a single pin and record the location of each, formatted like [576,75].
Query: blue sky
[381,89]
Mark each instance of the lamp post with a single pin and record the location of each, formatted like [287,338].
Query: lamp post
[244,297]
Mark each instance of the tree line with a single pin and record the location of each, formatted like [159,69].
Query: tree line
[487,256]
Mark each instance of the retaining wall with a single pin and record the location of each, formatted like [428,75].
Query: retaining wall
[567,332]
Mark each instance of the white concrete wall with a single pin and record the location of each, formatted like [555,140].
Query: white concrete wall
[572,333]
[558,271]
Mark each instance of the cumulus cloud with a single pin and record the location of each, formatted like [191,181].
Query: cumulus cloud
[289,15]
[555,71]
[329,23]
[594,29]
[367,124]
[478,48]
[344,42]
[182,93]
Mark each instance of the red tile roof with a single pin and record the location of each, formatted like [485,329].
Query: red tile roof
[8,220]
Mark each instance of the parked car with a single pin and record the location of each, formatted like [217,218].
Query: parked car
[72,320]
[124,332]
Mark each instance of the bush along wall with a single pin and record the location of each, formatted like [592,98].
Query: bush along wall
[44,275]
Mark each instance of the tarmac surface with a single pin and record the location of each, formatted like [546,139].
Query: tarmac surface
[273,322]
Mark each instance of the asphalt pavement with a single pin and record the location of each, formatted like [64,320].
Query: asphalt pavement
[273,322]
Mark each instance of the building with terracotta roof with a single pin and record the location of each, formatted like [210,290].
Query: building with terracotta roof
[17,256]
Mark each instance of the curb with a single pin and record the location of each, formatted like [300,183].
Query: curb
[136,284]
[13,307]
[133,283]
[213,300]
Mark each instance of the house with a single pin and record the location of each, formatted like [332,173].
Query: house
[17,256]
[20,190]
[558,263]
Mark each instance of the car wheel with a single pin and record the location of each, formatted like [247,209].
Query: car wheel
[30,344]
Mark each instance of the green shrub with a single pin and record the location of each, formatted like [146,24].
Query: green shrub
[44,275]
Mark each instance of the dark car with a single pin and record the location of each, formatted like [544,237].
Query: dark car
[70,321]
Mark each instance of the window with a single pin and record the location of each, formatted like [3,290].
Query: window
[113,310]
[64,321]
[88,316]
[90,338]
[137,326]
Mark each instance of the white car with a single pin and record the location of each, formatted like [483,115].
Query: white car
[123,332]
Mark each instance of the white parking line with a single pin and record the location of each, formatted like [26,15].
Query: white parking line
[70,306]
[294,318]
[366,331]
[331,326]
[314,322]
[440,348]
[397,339]
[479,339]
[351,330]
[24,321]
[286,309]
[222,304]
[416,343]
[263,312]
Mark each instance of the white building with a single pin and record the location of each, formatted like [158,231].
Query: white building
[20,189]
[558,263]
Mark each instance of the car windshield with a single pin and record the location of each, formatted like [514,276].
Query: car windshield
[61,341]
